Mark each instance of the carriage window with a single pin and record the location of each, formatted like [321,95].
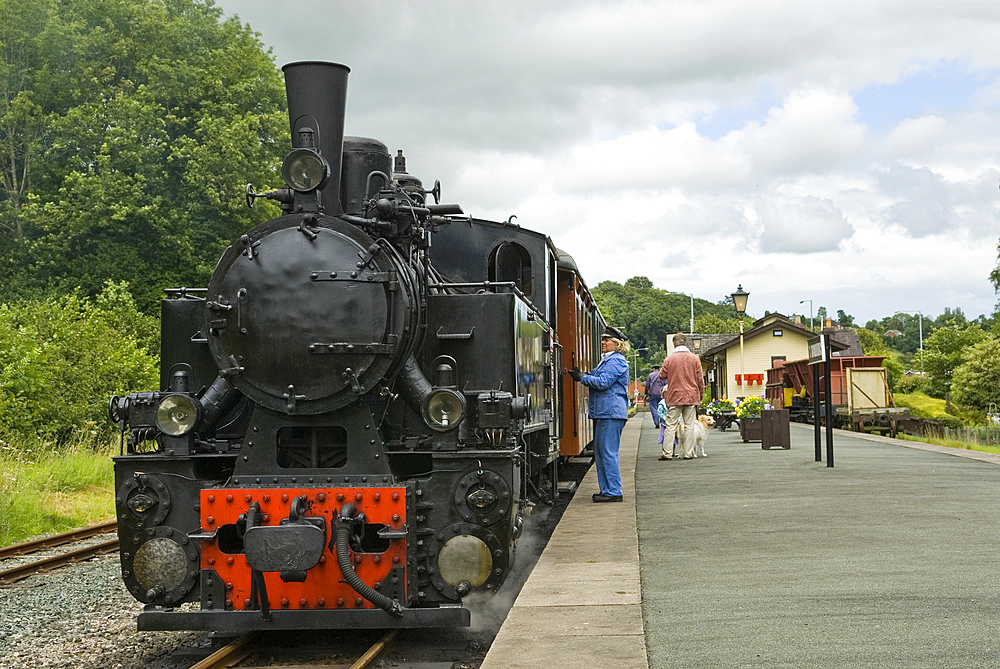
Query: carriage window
[511,262]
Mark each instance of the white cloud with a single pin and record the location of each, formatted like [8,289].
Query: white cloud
[583,119]
[915,136]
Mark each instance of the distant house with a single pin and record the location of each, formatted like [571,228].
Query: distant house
[768,340]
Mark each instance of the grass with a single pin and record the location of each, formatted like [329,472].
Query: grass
[44,491]
[952,443]
[925,406]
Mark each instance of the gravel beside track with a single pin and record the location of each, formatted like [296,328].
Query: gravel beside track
[80,616]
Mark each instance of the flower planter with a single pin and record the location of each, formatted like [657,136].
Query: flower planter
[750,429]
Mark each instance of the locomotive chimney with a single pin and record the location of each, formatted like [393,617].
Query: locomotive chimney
[317,99]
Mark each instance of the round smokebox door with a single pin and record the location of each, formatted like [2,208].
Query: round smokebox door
[293,321]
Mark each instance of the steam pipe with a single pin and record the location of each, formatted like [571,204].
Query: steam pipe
[344,523]
[218,400]
[415,386]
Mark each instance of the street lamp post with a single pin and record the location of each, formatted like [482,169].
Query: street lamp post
[810,312]
[635,363]
[920,332]
[692,313]
[740,303]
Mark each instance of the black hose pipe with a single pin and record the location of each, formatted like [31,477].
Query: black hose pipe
[390,606]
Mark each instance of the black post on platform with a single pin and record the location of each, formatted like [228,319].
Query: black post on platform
[829,406]
[819,353]
[816,428]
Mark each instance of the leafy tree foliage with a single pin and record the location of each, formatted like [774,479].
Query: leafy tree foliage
[714,324]
[872,343]
[944,351]
[976,382]
[62,358]
[128,129]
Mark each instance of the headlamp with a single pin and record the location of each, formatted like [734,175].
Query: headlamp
[465,559]
[305,170]
[444,409]
[177,414]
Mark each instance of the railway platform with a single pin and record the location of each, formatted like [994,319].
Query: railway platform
[767,558]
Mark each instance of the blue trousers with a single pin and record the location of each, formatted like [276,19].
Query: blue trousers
[607,441]
[653,401]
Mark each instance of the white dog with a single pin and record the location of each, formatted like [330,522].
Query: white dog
[700,429]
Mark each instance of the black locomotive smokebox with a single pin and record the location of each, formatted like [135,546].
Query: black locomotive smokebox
[305,314]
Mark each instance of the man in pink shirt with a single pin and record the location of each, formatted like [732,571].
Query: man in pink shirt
[682,395]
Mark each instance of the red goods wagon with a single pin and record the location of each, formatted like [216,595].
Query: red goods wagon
[798,374]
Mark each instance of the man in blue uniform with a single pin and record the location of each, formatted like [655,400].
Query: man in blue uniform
[608,383]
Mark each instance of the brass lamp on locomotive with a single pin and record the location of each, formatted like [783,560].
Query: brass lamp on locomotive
[342,437]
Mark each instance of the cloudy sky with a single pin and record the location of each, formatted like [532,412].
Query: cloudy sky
[845,152]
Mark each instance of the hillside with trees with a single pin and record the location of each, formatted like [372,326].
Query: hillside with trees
[647,314]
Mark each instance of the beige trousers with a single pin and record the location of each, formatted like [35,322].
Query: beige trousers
[680,419]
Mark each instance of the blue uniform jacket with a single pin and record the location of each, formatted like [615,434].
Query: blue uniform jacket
[608,383]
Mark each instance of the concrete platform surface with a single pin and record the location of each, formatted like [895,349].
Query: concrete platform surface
[580,608]
[754,558]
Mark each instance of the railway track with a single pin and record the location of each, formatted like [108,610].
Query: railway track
[13,574]
[240,649]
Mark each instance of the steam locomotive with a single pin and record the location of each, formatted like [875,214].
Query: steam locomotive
[358,412]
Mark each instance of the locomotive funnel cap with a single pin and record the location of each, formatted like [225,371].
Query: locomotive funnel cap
[612,332]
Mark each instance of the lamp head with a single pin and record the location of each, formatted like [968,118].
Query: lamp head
[740,299]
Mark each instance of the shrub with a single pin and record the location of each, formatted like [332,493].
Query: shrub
[61,358]
[912,384]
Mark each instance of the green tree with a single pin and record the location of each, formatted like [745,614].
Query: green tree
[715,324]
[872,343]
[976,382]
[944,351]
[134,126]
[995,274]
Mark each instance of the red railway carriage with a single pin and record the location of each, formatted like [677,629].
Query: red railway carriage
[580,325]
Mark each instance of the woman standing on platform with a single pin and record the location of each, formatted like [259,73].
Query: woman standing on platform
[608,383]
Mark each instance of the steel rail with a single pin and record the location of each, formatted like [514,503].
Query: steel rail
[53,540]
[14,574]
[375,650]
[241,648]
[230,654]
